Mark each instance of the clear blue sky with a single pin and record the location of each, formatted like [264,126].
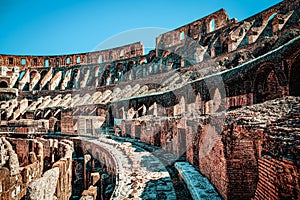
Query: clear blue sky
[44,27]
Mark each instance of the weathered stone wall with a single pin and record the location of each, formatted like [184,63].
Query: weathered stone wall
[32,154]
[44,187]
[96,182]
[64,185]
[168,99]
[25,62]
[11,182]
[235,151]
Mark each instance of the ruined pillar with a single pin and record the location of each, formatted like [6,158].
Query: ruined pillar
[87,158]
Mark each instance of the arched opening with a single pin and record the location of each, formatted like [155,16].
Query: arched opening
[266,85]
[122,53]
[130,64]
[100,59]
[23,61]
[295,78]
[3,84]
[34,78]
[72,83]
[182,35]
[212,25]
[110,55]
[119,67]
[32,75]
[46,63]
[97,71]
[68,61]
[78,60]
[43,73]
[272,16]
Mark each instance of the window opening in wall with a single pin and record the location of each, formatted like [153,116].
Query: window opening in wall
[10,61]
[122,53]
[23,61]
[3,84]
[100,59]
[212,25]
[68,61]
[182,35]
[272,16]
[46,63]
[132,51]
[57,61]
[34,61]
[78,59]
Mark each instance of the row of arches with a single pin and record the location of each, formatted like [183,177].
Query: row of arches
[268,82]
[271,82]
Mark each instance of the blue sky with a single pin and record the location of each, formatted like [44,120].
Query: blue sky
[44,27]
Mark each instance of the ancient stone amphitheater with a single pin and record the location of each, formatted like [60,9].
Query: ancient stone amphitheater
[211,113]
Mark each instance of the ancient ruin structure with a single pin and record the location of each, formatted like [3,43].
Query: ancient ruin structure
[211,113]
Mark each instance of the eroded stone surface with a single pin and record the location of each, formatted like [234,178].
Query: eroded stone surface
[175,97]
[44,188]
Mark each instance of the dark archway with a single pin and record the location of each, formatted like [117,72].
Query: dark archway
[295,78]
[266,85]
[3,84]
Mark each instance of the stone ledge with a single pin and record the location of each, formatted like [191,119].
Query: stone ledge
[198,185]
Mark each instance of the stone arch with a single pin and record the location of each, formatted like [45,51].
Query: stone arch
[266,84]
[75,73]
[33,84]
[294,89]
[97,70]
[32,74]
[68,61]
[122,53]
[269,16]
[43,73]
[211,23]
[182,35]
[78,60]
[126,71]
[106,76]
[118,71]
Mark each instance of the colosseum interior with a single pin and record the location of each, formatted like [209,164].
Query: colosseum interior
[211,113]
